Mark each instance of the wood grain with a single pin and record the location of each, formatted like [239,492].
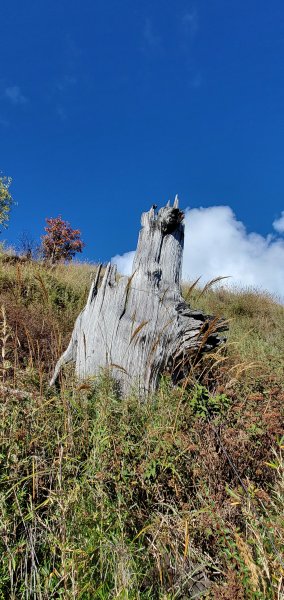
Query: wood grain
[138,327]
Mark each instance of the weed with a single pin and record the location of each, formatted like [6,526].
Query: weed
[103,497]
[205,405]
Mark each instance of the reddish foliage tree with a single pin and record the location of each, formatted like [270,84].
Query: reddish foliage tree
[61,242]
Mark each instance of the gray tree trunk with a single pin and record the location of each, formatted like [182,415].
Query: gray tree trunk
[138,327]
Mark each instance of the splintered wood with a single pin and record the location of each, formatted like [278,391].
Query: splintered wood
[138,327]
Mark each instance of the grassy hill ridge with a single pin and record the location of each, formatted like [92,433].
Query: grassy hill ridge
[110,498]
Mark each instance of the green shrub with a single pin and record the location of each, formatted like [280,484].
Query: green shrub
[206,405]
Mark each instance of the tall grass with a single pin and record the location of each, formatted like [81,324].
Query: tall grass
[103,497]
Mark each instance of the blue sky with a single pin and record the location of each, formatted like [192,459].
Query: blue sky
[109,106]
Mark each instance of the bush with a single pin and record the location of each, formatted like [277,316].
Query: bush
[61,242]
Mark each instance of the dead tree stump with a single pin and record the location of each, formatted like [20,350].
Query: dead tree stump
[140,326]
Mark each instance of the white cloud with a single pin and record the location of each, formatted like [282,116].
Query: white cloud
[217,244]
[15,95]
[124,262]
[278,224]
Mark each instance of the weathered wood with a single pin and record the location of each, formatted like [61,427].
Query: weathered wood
[138,327]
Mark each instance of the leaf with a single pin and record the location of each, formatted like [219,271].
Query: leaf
[271,465]
[233,494]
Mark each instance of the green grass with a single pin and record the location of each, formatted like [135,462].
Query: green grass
[103,497]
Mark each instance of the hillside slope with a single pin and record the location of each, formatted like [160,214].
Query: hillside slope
[109,498]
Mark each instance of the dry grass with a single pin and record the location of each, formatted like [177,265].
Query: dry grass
[109,498]
[256,325]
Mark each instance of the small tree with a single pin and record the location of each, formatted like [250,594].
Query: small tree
[6,201]
[61,242]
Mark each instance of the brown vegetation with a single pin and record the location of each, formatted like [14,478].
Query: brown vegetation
[103,497]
